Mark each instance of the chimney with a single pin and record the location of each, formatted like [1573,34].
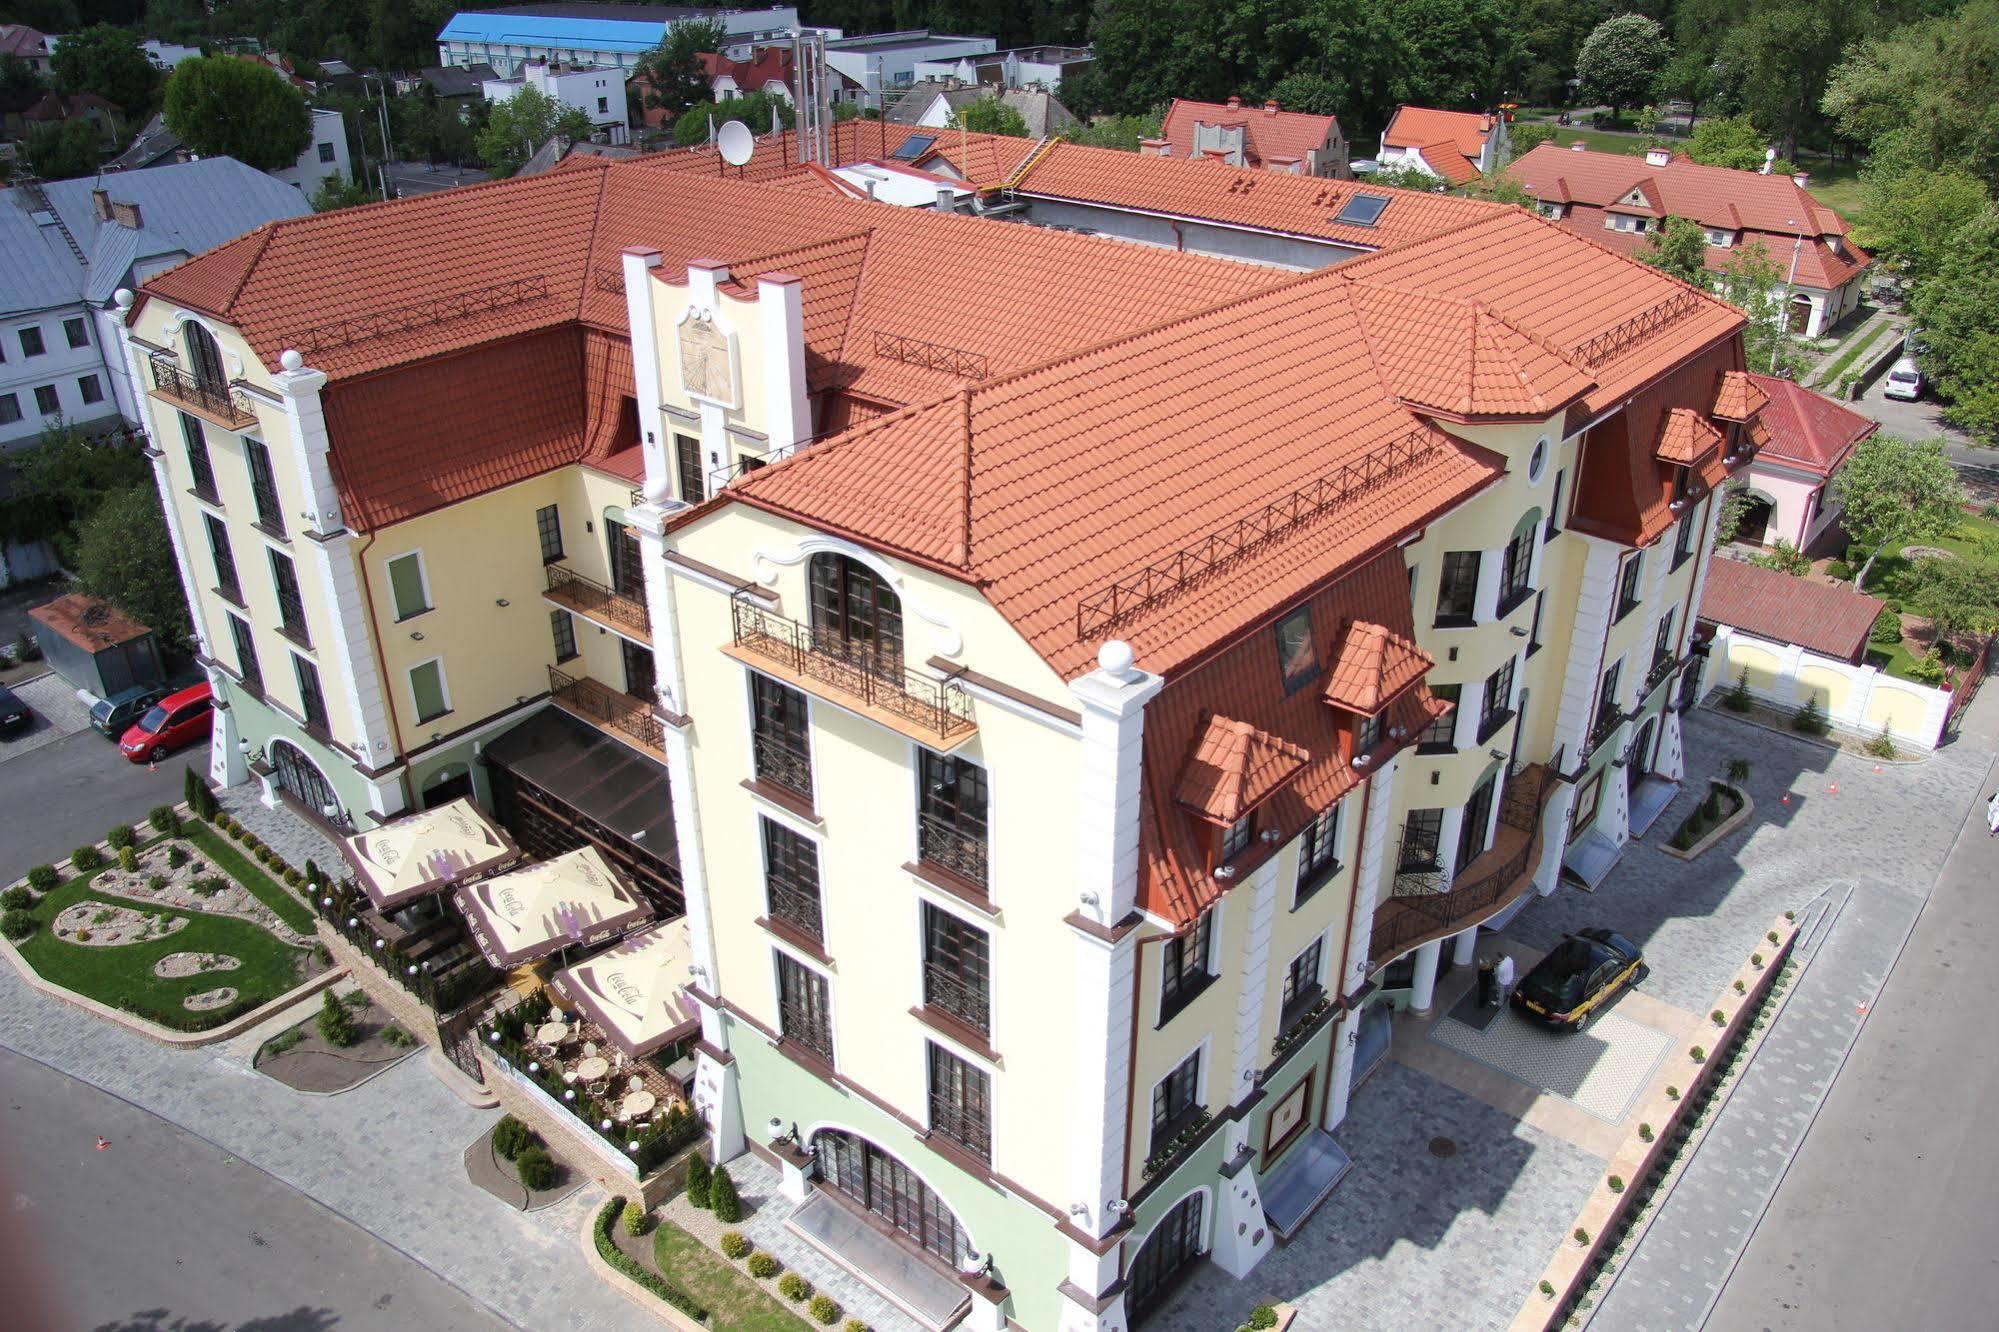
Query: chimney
[1270,107]
[1578,146]
[1658,156]
[1235,103]
[100,201]
[1803,178]
[1154,148]
[947,199]
[125,214]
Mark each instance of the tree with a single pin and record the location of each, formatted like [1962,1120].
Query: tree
[1396,176]
[62,149]
[123,554]
[107,61]
[989,115]
[1926,95]
[1526,136]
[1913,218]
[1121,132]
[1777,56]
[1314,94]
[18,80]
[337,192]
[1894,491]
[1730,141]
[336,1024]
[224,106]
[1690,76]
[1680,248]
[518,126]
[673,68]
[753,109]
[1958,310]
[1752,282]
[1958,596]
[1620,61]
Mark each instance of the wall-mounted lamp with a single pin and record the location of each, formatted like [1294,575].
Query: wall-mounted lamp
[1517,631]
[1498,754]
[1271,835]
[1225,872]
[416,635]
[502,601]
[1089,899]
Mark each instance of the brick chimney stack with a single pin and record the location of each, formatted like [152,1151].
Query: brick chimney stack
[1234,103]
[1270,108]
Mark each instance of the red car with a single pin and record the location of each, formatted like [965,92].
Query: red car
[176,720]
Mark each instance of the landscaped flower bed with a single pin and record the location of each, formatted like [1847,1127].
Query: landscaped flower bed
[1722,803]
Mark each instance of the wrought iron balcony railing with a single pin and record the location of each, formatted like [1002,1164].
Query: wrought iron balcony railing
[782,765]
[594,601]
[947,846]
[1607,723]
[937,707]
[598,702]
[965,1000]
[1661,668]
[222,403]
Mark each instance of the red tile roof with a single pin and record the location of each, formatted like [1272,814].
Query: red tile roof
[766,65]
[1448,162]
[1740,396]
[1268,131]
[1418,126]
[1830,620]
[1451,357]
[87,622]
[1372,665]
[1807,429]
[1232,768]
[1684,436]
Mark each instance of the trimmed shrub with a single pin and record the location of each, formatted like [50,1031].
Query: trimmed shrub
[698,1175]
[536,1168]
[1582,1236]
[793,1287]
[1882,745]
[86,858]
[190,789]
[637,1220]
[16,923]
[120,836]
[164,819]
[1547,1290]
[735,1244]
[313,874]
[294,878]
[511,1137]
[762,1266]
[336,1025]
[1810,719]
[1740,988]
[17,899]
[397,1037]
[1645,1133]
[1719,1018]
[853,1325]
[1887,629]
[1672,1093]
[176,856]
[1737,699]
[608,1250]
[722,1199]
[128,859]
[824,1310]
[157,882]
[1756,960]
[1262,1316]
[44,878]
[1616,1183]
[1698,1055]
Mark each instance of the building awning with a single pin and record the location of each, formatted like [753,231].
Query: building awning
[577,898]
[1302,1180]
[636,990]
[424,853]
[597,776]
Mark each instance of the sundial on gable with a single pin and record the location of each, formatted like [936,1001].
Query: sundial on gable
[707,366]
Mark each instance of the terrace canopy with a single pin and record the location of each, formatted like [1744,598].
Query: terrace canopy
[425,853]
[576,898]
[635,989]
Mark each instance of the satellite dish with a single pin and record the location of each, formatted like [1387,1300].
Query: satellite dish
[736,142]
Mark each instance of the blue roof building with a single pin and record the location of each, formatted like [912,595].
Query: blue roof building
[588,34]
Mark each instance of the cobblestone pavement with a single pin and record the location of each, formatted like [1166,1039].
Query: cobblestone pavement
[1409,1239]
[280,829]
[58,713]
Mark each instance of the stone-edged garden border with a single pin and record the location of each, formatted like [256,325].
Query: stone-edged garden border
[1720,830]
[1609,1214]
[654,1305]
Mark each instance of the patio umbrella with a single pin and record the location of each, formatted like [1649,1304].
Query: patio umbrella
[424,853]
[635,990]
[576,898]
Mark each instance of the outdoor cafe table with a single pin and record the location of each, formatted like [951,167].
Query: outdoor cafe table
[592,1069]
[551,1033]
[638,1103]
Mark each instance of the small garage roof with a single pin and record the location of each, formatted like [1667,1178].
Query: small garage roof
[90,624]
[1819,617]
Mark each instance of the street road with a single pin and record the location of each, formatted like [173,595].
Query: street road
[410,178]
[163,1232]
[57,798]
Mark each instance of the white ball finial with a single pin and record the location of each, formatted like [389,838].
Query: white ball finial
[123,298]
[1115,657]
[291,360]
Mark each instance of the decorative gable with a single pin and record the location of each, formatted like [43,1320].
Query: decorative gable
[1372,666]
[1232,767]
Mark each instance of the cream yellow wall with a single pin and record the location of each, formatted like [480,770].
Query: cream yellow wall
[720,449]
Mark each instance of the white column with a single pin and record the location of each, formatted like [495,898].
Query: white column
[1464,948]
[1371,870]
[1594,596]
[1485,599]
[1339,1087]
[1423,986]
[1259,896]
[787,414]
[1450,835]
[637,263]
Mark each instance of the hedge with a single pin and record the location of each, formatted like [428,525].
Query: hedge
[608,1250]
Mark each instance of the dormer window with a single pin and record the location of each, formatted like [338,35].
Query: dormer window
[1720,237]
[1297,656]
[1235,838]
[1366,735]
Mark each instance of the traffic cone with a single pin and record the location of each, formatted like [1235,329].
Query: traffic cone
[1833,789]
[103,1143]
[1786,800]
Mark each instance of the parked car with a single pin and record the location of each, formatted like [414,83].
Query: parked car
[1905,381]
[14,714]
[176,720]
[1577,978]
[111,716]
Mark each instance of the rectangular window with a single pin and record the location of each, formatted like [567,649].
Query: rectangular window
[1318,853]
[1498,701]
[1457,587]
[1606,699]
[1301,983]
[1534,630]
[197,458]
[804,1008]
[47,401]
[562,627]
[428,691]
[1627,583]
[548,527]
[1441,734]
[1297,659]
[326,152]
[956,968]
[1683,537]
[1184,963]
[10,408]
[225,559]
[1235,838]
[1514,563]
[1584,813]
[74,333]
[1367,735]
[1475,824]
[961,1103]
[1419,839]
[1175,1101]
[687,457]
[951,815]
[1662,642]
[291,608]
[31,342]
[247,664]
[407,585]
[628,575]
[791,879]
[90,389]
[264,487]
[781,741]
[311,702]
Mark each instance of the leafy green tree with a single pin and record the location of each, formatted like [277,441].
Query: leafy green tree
[1121,132]
[1399,177]
[107,61]
[1778,55]
[1753,283]
[59,480]
[402,34]
[1690,76]
[1958,310]
[123,555]
[18,79]
[1620,61]
[989,115]
[62,149]
[337,192]
[1314,94]
[753,109]
[1912,218]
[1680,248]
[1894,491]
[1925,95]
[223,106]
[673,68]
[515,128]
[1958,596]
[1728,141]
[1526,136]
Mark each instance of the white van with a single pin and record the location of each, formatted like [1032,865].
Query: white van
[1905,381]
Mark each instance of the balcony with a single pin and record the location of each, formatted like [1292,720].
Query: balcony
[601,605]
[617,714]
[222,404]
[1661,669]
[1423,908]
[950,848]
[933,712]
[1606,725]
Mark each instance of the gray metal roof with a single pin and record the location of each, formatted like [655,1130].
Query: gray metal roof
[54,250]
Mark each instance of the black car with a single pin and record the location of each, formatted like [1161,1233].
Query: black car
[14,714]
[1577,977]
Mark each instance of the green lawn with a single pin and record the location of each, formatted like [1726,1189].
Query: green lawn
[231,861]
[1601,141]
[122,977]
[1891,576]
[736,1303]
[1828,375]
[1836,185]
[1896,660]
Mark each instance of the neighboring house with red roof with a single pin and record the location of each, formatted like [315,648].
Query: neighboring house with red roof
[1624,201]
[768,70]
[1265,137]
[1790,482]
[1456,146]
[31,46]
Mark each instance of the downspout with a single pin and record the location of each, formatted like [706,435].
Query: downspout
[1353,897]
[1179,238]
[375,653]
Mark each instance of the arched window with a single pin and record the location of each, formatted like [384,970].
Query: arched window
[205,358]
[855,614]
[891,1190]
[1173,1244]
[300,777]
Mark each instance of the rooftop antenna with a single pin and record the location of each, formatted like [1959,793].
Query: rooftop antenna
[808,63]
[735,142]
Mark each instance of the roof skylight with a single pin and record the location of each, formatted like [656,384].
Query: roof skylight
[913,147]
[1362,210]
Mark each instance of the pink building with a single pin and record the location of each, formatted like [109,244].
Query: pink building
[1788,481]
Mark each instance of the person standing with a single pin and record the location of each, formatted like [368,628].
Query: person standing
[1992,815]
[1502,972]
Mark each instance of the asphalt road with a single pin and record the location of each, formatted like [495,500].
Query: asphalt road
[56,798]
[410,178]
[1884,1218]
[162,1232]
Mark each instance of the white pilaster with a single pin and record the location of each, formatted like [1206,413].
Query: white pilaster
[1259,896]
[781,324]
[1371,870]
[1485,597]
[1242,1235]
[1672,763]
[1339,1086]
[1595,594]
[226,766]
[637,263]
[1423,985]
